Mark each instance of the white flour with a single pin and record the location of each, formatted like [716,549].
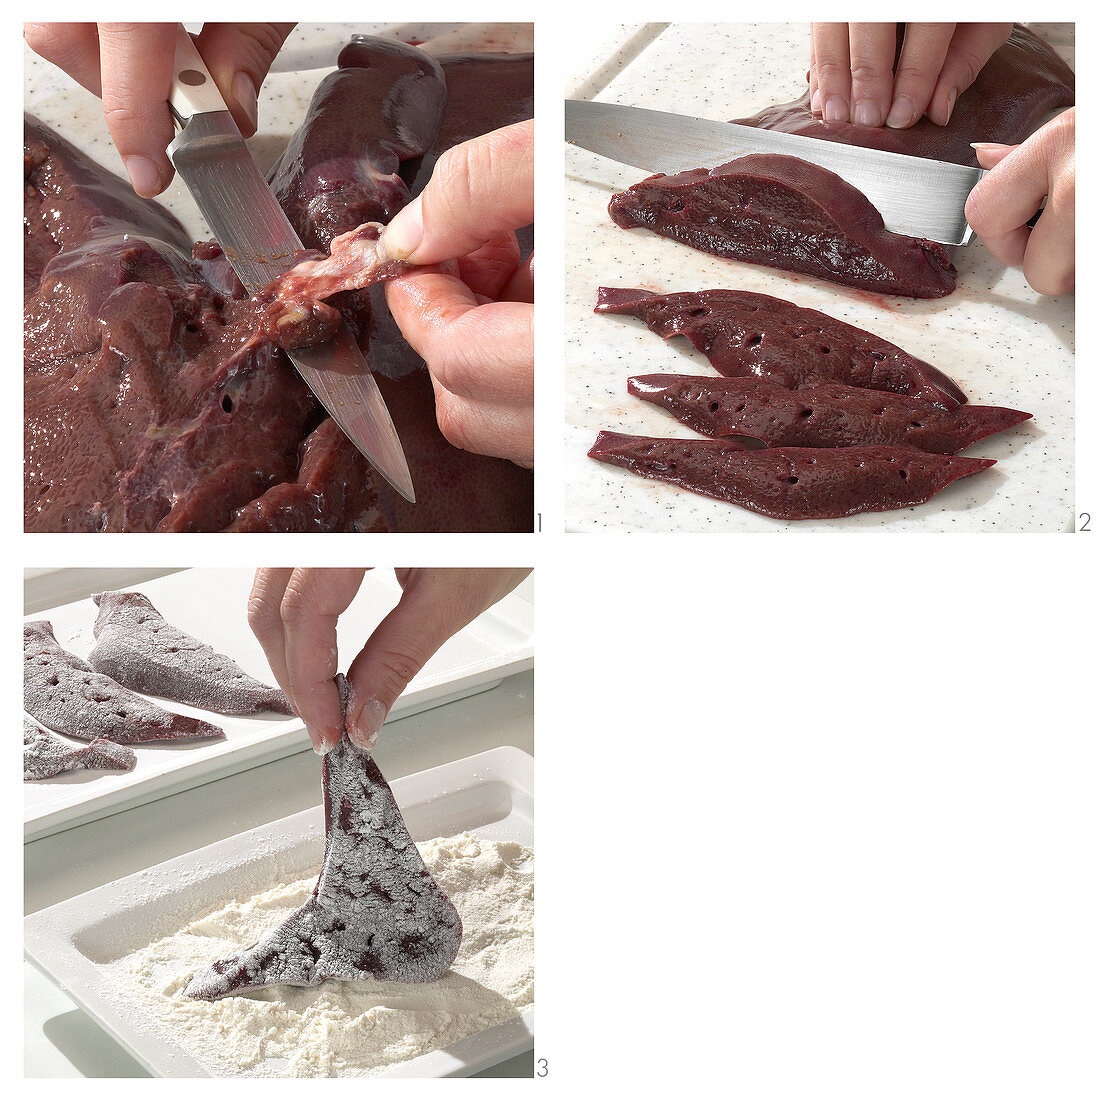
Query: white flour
[348,1029]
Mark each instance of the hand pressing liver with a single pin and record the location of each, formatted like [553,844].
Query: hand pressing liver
[853,76]
[128,65]
[294,612]
[1022,177]
[474,328]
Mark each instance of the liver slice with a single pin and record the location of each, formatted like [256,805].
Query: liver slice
[790,482]
[784,212]
[827,415]
[743,334]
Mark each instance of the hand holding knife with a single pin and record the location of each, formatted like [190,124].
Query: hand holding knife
[254,233]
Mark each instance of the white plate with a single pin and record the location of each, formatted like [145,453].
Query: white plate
[1002,342]
[490,793]
[211,604]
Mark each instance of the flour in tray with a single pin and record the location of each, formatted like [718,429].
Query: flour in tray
[347,1029]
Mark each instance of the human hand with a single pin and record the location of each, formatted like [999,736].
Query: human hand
[1019,180]
[128,65]
[851,78]
[474,330]
[293,613]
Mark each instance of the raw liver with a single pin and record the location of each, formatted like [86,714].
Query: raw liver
[142,412]
[827,415]
[1016,91]
[742,334]
[787,213]
[1021,84]
[790,482]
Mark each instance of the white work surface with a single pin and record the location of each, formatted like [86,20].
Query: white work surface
[60,1039]
[1003,343]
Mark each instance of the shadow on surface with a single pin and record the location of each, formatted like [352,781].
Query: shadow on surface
[92,1052]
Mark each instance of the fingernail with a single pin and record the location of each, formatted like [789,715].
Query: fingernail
[144,175]
[901,114]
[245,94]
[370,720]
[404,234]
[835,109]
[989,145]
[317,740]
[816,101]
[867,113]
[949,105]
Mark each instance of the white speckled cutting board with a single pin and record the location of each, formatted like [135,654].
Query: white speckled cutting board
[1003,343]
[307,56]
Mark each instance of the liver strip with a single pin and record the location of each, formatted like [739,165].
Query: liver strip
[744,334]
[827,415]
[790,483]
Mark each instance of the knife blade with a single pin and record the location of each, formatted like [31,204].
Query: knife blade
[257,239]
[915,196]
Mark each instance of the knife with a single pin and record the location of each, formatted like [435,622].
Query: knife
[915,196]
[257,239]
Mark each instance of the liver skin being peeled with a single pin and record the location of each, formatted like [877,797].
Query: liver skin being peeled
[141,412]
[783,212]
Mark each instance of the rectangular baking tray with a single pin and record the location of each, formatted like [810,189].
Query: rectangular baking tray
[490,794]
[211,604]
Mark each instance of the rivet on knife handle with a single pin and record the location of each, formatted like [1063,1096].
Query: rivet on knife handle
[193,90]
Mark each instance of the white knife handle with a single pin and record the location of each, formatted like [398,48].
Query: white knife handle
[193,90]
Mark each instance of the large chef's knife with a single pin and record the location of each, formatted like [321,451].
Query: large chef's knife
[915,196]
[253,231]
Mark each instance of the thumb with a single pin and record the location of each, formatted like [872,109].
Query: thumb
[479,190]
[991,153]
[239,56]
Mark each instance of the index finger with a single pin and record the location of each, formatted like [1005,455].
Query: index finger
[136,62]
[479,190]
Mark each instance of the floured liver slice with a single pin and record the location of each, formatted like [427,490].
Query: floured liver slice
[1021,84]
[66,694]
[46,755]
[787,213]
[827,415]
[790,483]
[137,647]
[375,912]
[745,334]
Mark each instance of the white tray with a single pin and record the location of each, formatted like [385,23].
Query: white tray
[490,793]
[211,604]
[1002,342]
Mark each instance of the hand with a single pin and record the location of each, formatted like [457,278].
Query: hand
[128,65]
[474,329]
[851,78]
[1020,178]
[293,613]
